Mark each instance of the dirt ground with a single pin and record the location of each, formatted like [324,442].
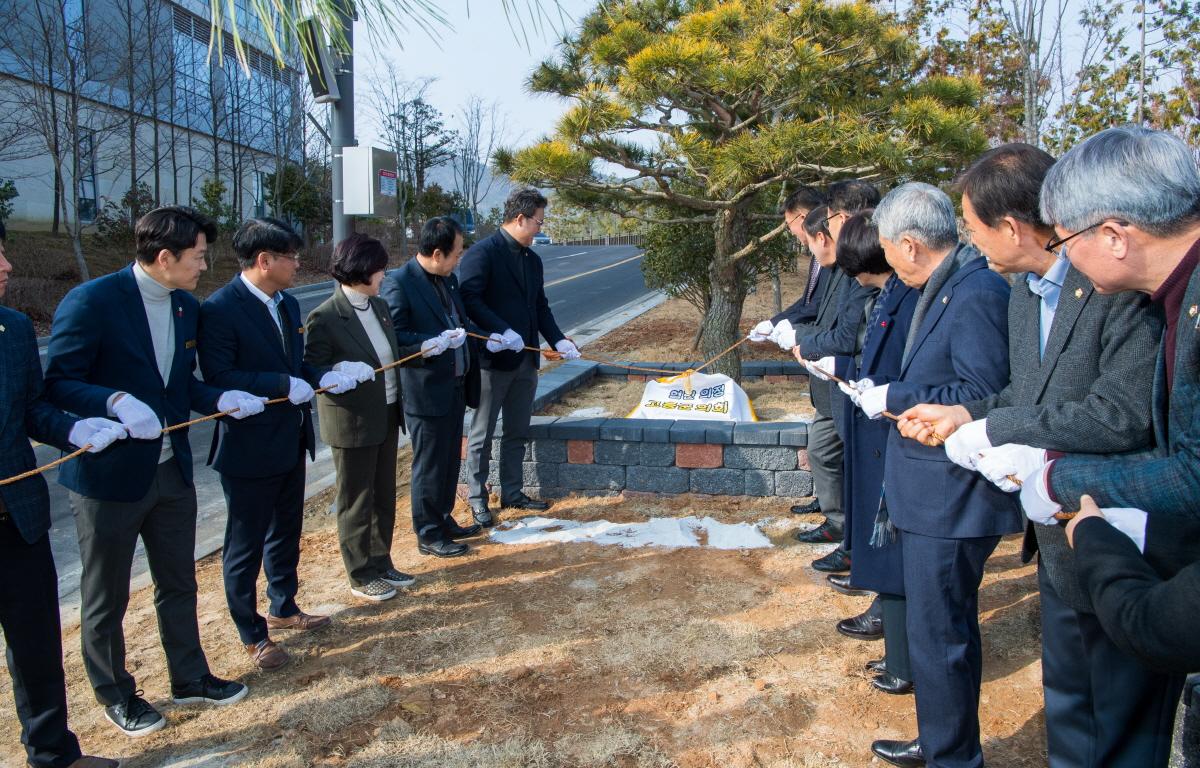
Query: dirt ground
[564,655]
[609,396]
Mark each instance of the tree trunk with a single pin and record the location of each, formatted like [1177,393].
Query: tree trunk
[727,294]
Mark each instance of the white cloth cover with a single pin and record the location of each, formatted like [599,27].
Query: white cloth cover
[696,396]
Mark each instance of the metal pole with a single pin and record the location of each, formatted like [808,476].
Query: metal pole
[342,122]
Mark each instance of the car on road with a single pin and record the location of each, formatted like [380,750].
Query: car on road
[541,238]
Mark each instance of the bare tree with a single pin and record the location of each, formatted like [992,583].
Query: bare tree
[1037,26]
[480,133]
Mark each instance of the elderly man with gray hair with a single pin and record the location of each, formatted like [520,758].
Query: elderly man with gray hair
[948,519]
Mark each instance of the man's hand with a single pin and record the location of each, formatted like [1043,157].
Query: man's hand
[567,349]
[299,391]
[140,419]
[97,433]
[495,343]
[338,383]
[822,368]
[355,369]
[455,337]
[1035,497]
[242,404]
[1087,508]
[762,331]
[1005,462]
[930,424]
[512,341]
[964,445]
[874,401]
[438,344]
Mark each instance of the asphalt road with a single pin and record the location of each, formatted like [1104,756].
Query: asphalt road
[583,284]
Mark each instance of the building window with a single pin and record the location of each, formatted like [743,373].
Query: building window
[75,29]
[260,194]
[87,176]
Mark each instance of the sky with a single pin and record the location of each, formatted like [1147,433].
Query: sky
[483,52]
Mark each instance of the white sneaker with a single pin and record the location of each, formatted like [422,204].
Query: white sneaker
[377,590]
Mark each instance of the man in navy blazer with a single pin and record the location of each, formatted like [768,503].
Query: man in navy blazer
[950,519]
[28,580]
[252,338]
[503,291]
[423,297]
[125,345]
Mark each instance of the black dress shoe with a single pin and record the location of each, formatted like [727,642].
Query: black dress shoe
[841,583]
[444,548]
[864,626]
[524,502]
[889,683]
[455,531]
[906,754]
[483,516]
[837,561]
[824,533]
[877,665]
[811,508]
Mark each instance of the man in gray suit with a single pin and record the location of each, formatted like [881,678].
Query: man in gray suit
[1081,374]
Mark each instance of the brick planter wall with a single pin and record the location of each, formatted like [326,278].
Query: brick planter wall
[607,456]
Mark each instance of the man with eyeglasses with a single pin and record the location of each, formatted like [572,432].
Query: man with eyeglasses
[1081,371]
[251,337]
[503,289]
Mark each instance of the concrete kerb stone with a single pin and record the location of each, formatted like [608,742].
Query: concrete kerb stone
[760,457]
[757,433]
[656,479]
[718,482]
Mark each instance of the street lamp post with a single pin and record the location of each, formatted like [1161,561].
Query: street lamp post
[341,132]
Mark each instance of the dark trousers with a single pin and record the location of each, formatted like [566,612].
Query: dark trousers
[108,531]
[29,617]
[436,446]
[1103,708]
[825,458]
[895,635]
[266,515]
[510,392]
[366,503]
[941,585]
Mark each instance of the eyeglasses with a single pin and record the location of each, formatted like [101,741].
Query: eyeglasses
[787,220]
[832,215]
[293,257]
[1055,243]
[539,222]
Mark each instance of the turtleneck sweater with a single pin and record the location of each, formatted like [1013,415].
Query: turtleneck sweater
[379,340]
[156,300]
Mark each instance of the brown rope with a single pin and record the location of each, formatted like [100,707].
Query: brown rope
[183,425]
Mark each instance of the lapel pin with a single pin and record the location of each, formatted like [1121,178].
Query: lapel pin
[1079,293]
[178,311]
[1,329]
[945,299]
[1194,309]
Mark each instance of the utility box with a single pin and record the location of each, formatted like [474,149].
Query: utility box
[369,182]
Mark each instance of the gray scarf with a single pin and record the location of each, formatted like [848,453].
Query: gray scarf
[961,255]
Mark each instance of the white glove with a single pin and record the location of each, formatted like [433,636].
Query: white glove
[1035,498]
[568,350]
[436,346]
[1129,521]
[850,392]
[338,383]
[873,401]
[96,432]
[299,391]
[822,368]
[357,370]
[996,464]
[242,404]
[512,340]
[140,419]
[762,331]
[495,343]
[964,445]
[455,337]
[784,335]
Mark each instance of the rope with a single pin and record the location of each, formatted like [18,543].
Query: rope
[183,425]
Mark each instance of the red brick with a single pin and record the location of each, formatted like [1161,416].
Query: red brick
[802,457]
[637,377]
[462,451]
[698,456]
[579,452]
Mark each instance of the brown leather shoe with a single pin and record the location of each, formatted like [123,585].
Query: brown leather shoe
[302,621]
[88,761]
[266,655]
